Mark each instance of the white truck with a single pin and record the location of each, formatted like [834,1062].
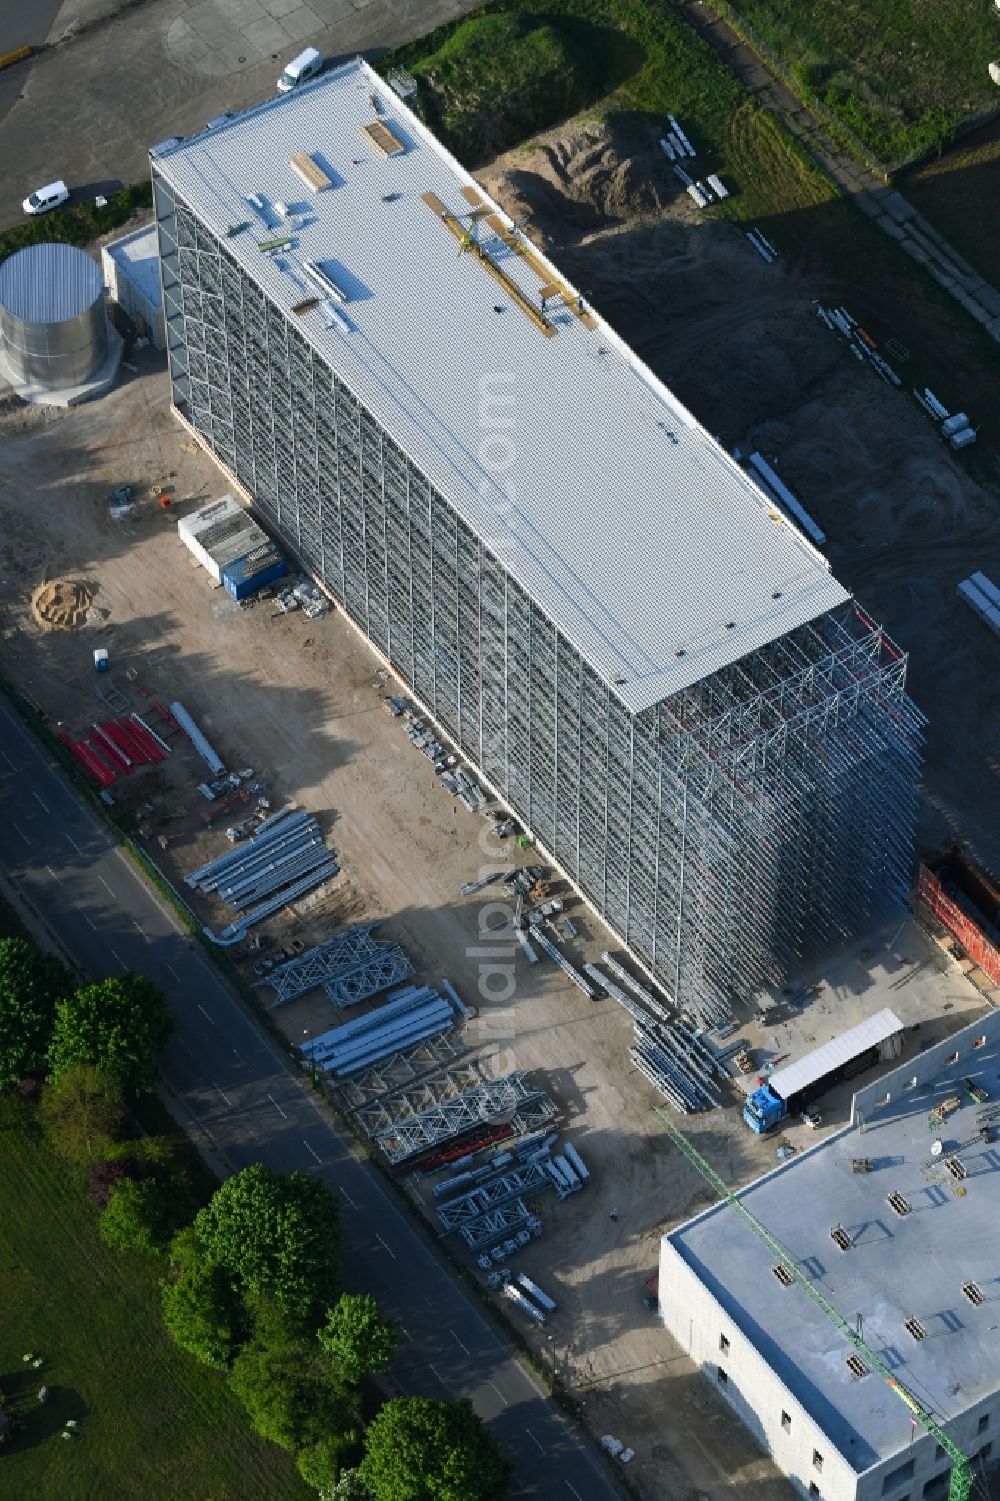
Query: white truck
[301,68]
[791,1089]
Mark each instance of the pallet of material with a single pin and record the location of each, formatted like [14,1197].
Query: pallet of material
[982,595]
[383,138]
[310,172]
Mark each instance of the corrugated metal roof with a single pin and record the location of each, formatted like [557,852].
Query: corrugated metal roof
[49,283]
[867,1034]
[648,546]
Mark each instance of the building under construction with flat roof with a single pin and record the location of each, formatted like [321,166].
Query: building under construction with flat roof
[646,661]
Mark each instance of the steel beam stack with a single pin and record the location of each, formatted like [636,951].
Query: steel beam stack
[283,860]
[350,967]
[410,1015]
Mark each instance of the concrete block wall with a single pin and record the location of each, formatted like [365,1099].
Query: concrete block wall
[954,1057]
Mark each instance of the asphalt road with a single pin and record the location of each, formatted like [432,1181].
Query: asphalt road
[230,1085]
[87,110]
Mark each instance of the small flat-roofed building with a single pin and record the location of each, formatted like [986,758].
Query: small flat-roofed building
[896,1220]
[132,276]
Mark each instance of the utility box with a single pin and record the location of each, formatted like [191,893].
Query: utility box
[101,659]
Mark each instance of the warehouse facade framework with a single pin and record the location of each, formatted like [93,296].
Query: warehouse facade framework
[661,677]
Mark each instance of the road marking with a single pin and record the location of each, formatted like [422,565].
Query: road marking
[53,875]
[277,1107]
[20,831]
[121,961]
[38,800]
[388,1248]
[73,843]
[223,1094]
[440,1378]
[500,1394]
[459,1342]
[406,1334]
[8,760]
[139,926]
[309,1149]
[106,887]
[87,919]
[205,1013]
[573,1491]
[534,1440]
[174,973]
[345,1195]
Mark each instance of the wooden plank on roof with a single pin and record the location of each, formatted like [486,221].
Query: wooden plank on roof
[467,243]
[472,195]
[381,136]
[310,171]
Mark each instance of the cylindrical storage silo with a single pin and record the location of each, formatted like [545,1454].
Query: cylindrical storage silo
[52,320]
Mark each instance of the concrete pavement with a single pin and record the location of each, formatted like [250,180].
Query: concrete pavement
[236,1089]
[88,108]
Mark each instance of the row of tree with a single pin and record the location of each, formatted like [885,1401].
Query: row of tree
[252,1281]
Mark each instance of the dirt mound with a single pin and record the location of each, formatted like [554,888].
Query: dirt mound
[61,604]
[579,180]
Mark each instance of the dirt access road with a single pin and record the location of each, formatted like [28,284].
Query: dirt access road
[299,701]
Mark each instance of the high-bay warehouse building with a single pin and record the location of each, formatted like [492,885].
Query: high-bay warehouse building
[894,1220]
[645,660]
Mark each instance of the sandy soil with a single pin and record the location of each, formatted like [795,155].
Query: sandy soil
[299,701]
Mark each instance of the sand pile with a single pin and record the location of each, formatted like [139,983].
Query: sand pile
[61,604]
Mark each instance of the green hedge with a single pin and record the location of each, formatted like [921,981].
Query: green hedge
[78,225]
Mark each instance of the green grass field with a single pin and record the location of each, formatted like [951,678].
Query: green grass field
[152,1422]
[901,74]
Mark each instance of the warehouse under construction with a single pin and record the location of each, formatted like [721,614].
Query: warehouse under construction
[648,663]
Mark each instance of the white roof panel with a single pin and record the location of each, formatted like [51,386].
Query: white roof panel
[636,534]
[867,1034]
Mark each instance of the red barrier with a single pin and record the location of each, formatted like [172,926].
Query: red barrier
[970,936]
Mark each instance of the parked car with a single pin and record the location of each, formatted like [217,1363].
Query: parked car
[42,199]
[301,68]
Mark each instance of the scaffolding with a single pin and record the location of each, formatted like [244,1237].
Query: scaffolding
[725,834]
[350,967]
[508,1099]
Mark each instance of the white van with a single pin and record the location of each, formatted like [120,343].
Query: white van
[306,65]
[43,199]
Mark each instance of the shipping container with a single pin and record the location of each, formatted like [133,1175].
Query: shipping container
[245,576]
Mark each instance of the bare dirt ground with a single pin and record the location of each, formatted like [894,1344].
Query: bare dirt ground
[299,701]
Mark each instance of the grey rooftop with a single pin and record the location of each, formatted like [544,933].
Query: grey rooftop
[899,1267]
[633,530]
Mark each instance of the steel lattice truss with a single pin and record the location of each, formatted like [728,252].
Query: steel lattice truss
[401,1069]
[518,1182]
[505,1220]
[421,1095]
[350,967]
[489,1100]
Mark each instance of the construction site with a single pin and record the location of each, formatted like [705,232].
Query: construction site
[534,899]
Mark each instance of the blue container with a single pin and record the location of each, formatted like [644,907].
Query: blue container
[245,576]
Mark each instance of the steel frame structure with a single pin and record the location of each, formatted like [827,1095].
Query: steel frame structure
[516,1183]
[508,1096]
[723,834]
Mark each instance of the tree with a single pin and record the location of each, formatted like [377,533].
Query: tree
[82,1113]
[136,1218]
[294,1396]
[122,1025]
[419,1449]
[201,1310]
[319,1465]
[357,1336]
[31,984]
[350,1487]
[276,1233]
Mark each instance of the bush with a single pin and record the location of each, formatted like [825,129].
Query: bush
[320,1464]
[357,1336]
[135,1218]
[104,1175]
[294,1396]
[418,1449]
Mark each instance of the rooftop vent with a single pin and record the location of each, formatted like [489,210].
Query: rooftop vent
[974,1293]
[898,1203]
[311,174]
[783,1275]
[916,1328]
[840,1238]
[857,1367]
[381,136]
